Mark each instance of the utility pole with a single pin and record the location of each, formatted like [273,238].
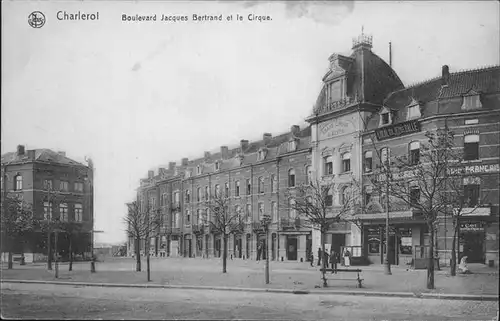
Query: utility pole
[266,220]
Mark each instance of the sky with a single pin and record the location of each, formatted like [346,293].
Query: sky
[137,95]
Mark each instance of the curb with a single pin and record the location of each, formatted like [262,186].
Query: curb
[438,296]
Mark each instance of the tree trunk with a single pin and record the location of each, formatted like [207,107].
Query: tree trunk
[453,263]
[137,255]
[70,254]
[10,263]
[148,266]
[49,252]
[324,265]
[430,265]
[224,255]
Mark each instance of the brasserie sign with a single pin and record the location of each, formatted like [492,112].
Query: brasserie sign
[401,129]
[474,169]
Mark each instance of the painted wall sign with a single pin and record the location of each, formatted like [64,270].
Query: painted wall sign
[474,169]
[336,127]
[401,129]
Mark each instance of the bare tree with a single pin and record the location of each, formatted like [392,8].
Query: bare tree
[17,221]
[223,220]
[420,181]
[141,223]
[313,207]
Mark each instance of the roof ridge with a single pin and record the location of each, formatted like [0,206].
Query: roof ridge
[460,71]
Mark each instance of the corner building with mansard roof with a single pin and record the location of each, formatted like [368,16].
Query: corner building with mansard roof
[468,103]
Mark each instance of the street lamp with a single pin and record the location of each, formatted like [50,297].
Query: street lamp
[265,221]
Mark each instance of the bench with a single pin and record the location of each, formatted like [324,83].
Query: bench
[358,279]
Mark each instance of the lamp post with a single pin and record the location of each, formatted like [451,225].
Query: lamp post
[265,221]
[387,264]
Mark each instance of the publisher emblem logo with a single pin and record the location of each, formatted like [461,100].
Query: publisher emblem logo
[36,19]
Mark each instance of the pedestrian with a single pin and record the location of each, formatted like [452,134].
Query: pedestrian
[311,258]
[259,250]
[325,257]
[319,256]
[333,260]
[347,258]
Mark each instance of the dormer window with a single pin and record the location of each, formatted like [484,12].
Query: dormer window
[292,145]
[217,165]
[198,170]
[413,110]
[261,154]
[385,117]
[471,100]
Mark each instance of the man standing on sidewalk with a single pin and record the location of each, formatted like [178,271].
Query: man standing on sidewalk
[319,256]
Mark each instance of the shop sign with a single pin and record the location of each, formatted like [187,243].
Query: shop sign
[401,129]
[398,175]
[474,169]
[471,227]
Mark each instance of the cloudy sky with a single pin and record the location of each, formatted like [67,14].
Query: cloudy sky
[134,96]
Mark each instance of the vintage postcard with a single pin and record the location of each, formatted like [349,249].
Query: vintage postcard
[250,160]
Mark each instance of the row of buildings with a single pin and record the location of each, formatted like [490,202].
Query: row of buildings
[57,189]
[363,110]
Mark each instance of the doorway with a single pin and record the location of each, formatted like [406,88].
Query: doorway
[248,247]
[473,247]
[338,242]
[187,248]
[291,248]
[237,247]
[273,244]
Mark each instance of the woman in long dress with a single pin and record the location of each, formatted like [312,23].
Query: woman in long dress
[347,258]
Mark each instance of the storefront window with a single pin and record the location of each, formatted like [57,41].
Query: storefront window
[373,241]
[405,245]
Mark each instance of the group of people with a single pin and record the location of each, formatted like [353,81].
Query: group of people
[332,258]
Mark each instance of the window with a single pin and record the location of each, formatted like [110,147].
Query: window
[63,186]
[471,147]
[413,112]
[176,198]
[217,190]
[291,178]
[274,184]
[198,170]
[47,184]
[217,165]
[367,197]
[329,165]
[237,188]
[207,193]
[226,189]
[19,182]
[237,211]
[335,92]
[471,195]
[291,209]
[78,186]
[329,197]
[308,175]
[198,194]
[163,200]
[346,162]
[261,184]
[385,155]
[47,211]
[414,196]
[188,218]
[471,101]
[188,197]
[385,118]
[199,217]
[63,212]
[260,155]
[368,162]
[414,153]
[249,212]
[249,187]
[292,145]
[274,211]
[261,210]
[78,212]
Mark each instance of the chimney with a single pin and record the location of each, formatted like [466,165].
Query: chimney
[20,150]
[445,76]
[267,138]
[295,129]
[184,161]
[224,152]
[62,153]
[207,155]
[171,166]
[151,174]
[243,145]
[31,154]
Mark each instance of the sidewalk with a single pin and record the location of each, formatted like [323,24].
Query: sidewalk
[250,274]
